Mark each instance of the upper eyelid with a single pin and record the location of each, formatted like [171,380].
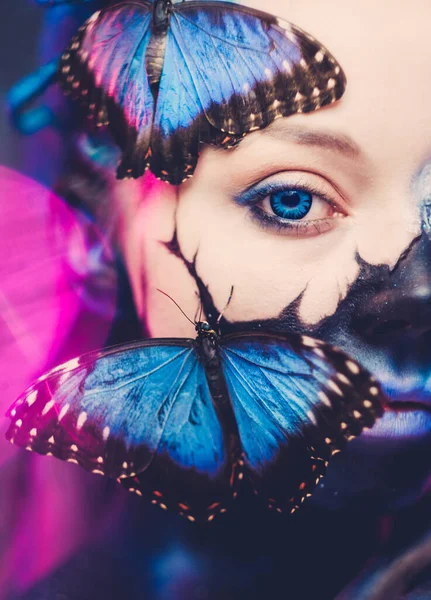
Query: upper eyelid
[252,188]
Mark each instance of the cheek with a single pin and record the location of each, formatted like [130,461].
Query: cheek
[271,271]
[268,271]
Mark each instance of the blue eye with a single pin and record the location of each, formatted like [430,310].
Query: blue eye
[291,204]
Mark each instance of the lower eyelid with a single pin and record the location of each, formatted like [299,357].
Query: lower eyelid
[303,227]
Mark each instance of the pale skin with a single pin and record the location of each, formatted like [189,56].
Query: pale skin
[364,158]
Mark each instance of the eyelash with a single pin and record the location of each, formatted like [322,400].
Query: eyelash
[264,189]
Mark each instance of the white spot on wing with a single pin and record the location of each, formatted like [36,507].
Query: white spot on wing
[81,420]
[341,377]
[287,66]
[324,398]
[334,387]
[47,407]
[352,366]
[319,56]
[33,431]
[105,433]
[311,416]
[308,341]
[70,364]
[319,352]
[63,411]
[31,398]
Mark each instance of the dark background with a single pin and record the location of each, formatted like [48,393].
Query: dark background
[20,27]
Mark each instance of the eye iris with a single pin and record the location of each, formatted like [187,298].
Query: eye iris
[291,204]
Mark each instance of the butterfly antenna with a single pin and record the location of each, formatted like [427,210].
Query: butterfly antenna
[225,308]
[198,313]
[176,304]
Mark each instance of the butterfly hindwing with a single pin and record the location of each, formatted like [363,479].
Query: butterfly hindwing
[190,472]
[111,404]
[296,401]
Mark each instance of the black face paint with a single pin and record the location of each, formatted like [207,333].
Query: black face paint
[385,310]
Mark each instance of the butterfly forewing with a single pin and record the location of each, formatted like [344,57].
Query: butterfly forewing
[105,411]
[250,67]
[104,67]
[297,401]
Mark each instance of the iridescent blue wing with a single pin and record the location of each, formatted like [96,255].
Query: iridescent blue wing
[141,413]
[104,67]
[230,70]
[296,401]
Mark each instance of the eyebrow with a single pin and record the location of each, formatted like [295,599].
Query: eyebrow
[336,142]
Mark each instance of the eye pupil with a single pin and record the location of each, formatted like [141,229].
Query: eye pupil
[291,204]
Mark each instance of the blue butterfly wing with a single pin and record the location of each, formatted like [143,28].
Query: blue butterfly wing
[230,70]
[296,401]
[104,67]
[250,67]
[179,121]
[140,412]
[227,70]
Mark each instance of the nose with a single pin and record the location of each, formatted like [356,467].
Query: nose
[401,304]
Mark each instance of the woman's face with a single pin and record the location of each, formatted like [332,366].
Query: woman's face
[321,222]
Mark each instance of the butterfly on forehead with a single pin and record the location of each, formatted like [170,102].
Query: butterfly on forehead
[194,424]
[167,77]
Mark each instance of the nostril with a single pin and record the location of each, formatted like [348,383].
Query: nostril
[392,326]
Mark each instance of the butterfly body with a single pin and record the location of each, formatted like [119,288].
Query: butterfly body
[207,346]
[197,423]
[166,78]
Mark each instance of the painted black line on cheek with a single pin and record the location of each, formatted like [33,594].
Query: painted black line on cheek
[287,321]
[358,314]
[209,308]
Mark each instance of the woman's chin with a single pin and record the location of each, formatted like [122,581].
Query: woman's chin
[383,470]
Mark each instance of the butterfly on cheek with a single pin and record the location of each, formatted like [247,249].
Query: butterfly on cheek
[200,425]
[168,77]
